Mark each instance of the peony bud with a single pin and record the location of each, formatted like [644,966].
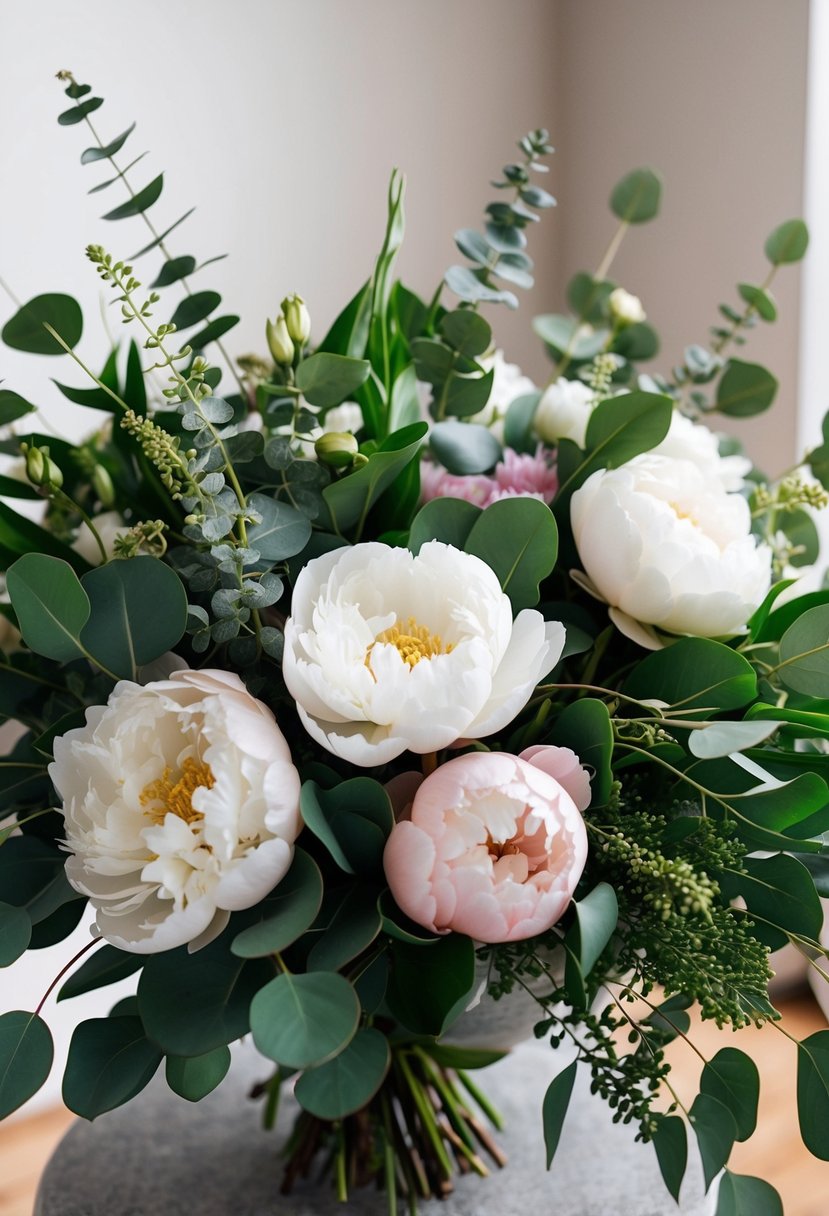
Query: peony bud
[336,449]
[102,484]
[41,470]
[297,318]
[625,309]
[279,341]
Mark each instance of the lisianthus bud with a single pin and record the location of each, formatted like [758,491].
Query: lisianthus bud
[336,449]
[625,309]
[297,318]
[102,484]
[279,341]
[41,470]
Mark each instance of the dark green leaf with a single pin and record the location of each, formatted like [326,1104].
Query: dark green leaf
[596,917]
[26,1054]
[588,296]
[742,1195]
[15,933]
[671,1143]
[732,1078]
[554,1109]
[465,448]
[745,389]
[715,1130]
[447,519]
[20,535]
[623,427]
[518,538]
[349,333]
[430,1008]
[303,1020]
[156,241]
[76,114]
[801,532]
[695,673]
[286,913]
[93,154]
[349,1081]
[636,342]
[139,203]
[138,613]
[466,332]
[635,199]
[804,653]
[353,927]
[813,1093]
[107,965]
[585,727]
[174,270]
[212,332]
[12,407]
[25,331]
[195,308]
[194,1077]
[518,423]
[353,820]
[788,242]
[110,1061]
[778,890]
[349,499]
[51,605]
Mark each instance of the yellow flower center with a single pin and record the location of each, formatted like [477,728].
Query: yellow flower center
[412,641]
[682,514]
[176,797]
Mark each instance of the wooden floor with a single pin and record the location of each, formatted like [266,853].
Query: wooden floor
[774,1152]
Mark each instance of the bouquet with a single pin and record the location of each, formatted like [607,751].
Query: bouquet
[364,686]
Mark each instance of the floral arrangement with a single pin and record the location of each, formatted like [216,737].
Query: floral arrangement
[367,686]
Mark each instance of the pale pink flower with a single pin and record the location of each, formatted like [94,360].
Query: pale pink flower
[517,475]
[493,847]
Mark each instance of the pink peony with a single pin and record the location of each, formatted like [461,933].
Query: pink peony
[493,847]
[515,476]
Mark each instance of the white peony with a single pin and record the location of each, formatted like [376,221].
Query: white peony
[564,411]
[508,382]
[687,440]
[385,651]
[181,806]
[664,544]
[109,525]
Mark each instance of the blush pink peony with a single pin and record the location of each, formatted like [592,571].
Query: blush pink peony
[493,846]
[517,475]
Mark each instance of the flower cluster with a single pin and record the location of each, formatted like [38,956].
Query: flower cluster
[391,664]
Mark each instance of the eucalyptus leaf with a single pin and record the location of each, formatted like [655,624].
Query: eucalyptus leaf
[325,379]
[761,301]
[804,653]
[813,1093]
[349,500]
[286,913]
[303,1020]
[106,966]
[26,1054]
[788,242]
[138,203]
[349,1081]
[520,568]
[745,389]
[25,330]
[585,727]
[103,153]
[671,1143]
[195,308]
[110,1060]
[466,332]
[51,605]
[732,1078]
[723,738]
[138,613]
[194,1077]
[283,532]
[636,198]
[430,1008]
[554,1109]
[716,1131]
[446,519]
[695,674]
[12,407]
[464,448]
[15,933]
[742,1195]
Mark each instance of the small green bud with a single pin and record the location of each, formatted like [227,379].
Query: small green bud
[279,341]
[336,449]
[297,318]
[41,470]
[102,485]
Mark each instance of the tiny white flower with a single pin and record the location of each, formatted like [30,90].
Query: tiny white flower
[564,411]
[387,652]
[181,805]
[626,309]
[665,544]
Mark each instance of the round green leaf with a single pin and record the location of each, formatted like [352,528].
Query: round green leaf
[788,242]
[138,613]
[51,605]
[283,531]
[194,1077]
[15,933]
[804,653]
[195,308]
[325,380]
[25,330]
[446,519]
[745,389]
[636,342]
[742,1195]
[466,332]
[286,913]
[732,1078]
[349,1081]
[813,1093]
[464,448]
[559,333]
[110,1060]
[635,199]
[492,538]
[303,1020]
[26,1054]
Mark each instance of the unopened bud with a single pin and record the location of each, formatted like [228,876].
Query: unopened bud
[279,341]
[297,318]
[41,470]
[336,449]
[103,487]
[626,309]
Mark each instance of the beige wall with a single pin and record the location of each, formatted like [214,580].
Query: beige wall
[712,93]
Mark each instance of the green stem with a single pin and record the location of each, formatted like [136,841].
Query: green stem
[427,1116]
[114,396]
[61,497]
[483,1101]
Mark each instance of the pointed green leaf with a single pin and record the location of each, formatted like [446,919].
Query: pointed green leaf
[139,203]
[813,1093]
[162,236]
[195,308]
[326,380]
[174,270]
[110,1060]
[671,1143]
[106,966]
[215,329]
[93,154]
[554,1109]
[51,605]
[76,114]
[716,1131]
[12,406]
[15,933]
[283,532]
[194,1077]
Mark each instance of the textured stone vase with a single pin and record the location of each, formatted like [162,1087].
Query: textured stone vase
[161,1154]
